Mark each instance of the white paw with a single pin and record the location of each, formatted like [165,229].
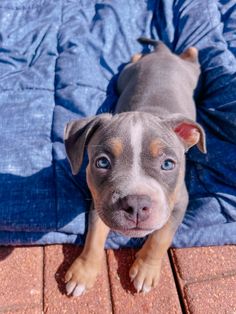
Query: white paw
[145,276]
[81,276]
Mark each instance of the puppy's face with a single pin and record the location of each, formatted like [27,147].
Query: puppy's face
[136,167]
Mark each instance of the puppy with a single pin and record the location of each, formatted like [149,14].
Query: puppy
[136,164]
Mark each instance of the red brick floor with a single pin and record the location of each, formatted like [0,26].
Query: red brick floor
[196,280]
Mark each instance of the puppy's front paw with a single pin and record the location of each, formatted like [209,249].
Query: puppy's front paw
[144,275]
[81,276]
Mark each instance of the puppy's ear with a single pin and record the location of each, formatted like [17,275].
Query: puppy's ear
[77,134]
[189,132]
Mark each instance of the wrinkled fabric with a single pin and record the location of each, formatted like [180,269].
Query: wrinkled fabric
[59,60]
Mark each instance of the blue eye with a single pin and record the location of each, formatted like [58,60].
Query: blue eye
[103,163]
[167,165]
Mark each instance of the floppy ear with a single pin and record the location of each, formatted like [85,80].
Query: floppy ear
[189,132]
[77,134]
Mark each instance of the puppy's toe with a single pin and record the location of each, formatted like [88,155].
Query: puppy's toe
[133,272]
[138,284]
[70,286]
[146,288]
[79,290]
[68,276]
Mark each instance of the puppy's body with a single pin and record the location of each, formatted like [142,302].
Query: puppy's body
[137,164]
[160,83]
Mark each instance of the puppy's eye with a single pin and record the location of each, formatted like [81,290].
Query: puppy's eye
[103,163]
[168,164]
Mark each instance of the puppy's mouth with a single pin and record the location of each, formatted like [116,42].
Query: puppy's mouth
[135,232]
[132,228]
[127,227]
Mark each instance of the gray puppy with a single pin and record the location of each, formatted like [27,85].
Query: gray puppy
[137,162]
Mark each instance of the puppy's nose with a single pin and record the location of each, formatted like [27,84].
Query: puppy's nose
[136,207]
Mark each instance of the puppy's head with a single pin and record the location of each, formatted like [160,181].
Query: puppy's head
[136,166]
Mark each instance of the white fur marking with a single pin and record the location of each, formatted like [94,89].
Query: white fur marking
[136,144]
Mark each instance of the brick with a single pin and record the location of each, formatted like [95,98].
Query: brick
[197,264]
[21,277]
[211,297]
[57,260]
[24,310]
[163,299]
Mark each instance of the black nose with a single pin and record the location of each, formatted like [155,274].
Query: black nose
[136,207]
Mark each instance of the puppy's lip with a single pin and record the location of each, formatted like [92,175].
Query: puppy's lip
[140,229]
[134,232]
[134,229]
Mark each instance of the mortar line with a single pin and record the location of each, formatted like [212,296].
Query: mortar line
[178,287]
[43,282]
[109,282]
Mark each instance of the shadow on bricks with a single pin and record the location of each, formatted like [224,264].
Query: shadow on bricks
[70,252]
[125,258]
[5,251]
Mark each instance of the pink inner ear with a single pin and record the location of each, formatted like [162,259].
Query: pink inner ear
[188,133]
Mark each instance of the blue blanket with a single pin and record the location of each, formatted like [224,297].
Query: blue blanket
[59,60]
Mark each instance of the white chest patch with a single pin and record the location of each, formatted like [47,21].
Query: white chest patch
[136,135]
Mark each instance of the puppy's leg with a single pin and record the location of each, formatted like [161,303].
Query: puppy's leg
[145,271]
[83,272]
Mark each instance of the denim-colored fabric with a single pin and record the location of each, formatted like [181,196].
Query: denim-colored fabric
[59,60]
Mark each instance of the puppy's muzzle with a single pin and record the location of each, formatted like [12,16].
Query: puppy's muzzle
[136,208]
